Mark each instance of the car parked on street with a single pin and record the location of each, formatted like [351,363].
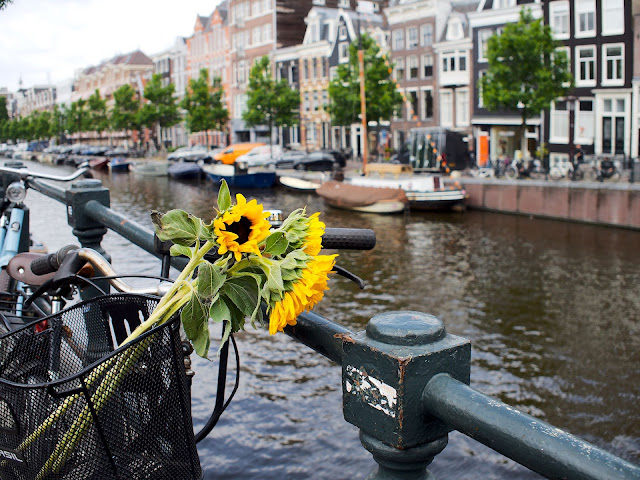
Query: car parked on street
[262,156]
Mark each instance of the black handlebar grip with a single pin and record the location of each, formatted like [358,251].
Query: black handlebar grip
[50,263]
[349,238]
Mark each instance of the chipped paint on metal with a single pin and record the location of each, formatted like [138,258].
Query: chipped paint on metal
[372,391]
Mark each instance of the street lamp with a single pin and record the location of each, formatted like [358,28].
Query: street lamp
[367,8]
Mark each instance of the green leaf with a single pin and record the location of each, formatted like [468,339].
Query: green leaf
[272,273]
[224,197]
[177,226]
[177,250]
[243,293]
[195,321]
[219,311]
[276,244]
[210,279]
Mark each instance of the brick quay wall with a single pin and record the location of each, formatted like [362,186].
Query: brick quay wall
[611,204]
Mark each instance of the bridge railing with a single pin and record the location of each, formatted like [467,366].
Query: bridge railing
[405,379]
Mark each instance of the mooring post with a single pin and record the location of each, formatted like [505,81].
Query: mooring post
[88,231]
[384,372]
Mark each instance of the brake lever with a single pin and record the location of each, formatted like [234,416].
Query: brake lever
[343,272]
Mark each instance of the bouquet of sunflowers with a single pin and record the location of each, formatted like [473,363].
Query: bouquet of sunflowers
[280,268]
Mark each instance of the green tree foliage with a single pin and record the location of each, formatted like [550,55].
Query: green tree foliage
[160,108]
[40,124]
[270,102]
[124,113]
[4,113]
[78,117]
[4,3]
[58,125]
[382,97]
[204,104]
[526,70]
[98,117]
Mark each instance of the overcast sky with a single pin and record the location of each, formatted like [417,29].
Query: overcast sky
[47,40]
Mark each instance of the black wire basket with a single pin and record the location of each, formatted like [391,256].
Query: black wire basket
[75,405]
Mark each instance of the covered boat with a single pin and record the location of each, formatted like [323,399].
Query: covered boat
[185,171]
[241,178]
[151,168]
[363,198]
[424,192]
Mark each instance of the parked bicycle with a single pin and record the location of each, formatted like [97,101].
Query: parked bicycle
[15,237]
[607,170]
[565,170]
[525,169]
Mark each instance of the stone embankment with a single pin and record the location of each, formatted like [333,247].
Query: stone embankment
[612,204]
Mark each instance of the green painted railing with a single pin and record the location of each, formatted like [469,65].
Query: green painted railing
[405,379]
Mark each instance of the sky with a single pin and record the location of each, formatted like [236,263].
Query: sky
[46,41]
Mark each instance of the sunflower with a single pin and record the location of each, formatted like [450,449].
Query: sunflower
[313,240]
[241,228]
[305,293]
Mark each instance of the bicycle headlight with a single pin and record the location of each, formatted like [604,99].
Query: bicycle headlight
[16,192]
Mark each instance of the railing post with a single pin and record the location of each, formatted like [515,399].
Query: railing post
[384,372]
[88,231]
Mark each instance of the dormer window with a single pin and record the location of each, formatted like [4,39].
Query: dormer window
[342,32]
[454,29]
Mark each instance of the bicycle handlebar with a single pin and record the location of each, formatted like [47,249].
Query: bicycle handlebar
[25,174]
[349,238]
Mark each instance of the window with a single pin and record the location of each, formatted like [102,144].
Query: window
[325,99]
[559,13]
[256,35]
[306,102]
[585,18]
[256,8]
[586,66]
[398,39]
[613,125]
[612,17]
[412,38]
[315,101]
[412,66]
[584,121]
[266,35]
[448,61]
[305,69]
[400,73]
[462,108]
[503,3]
[483,44]
[427,66]
[613,64]
[462,62]
[413,105]
[559,121]
[454,29]
[314,71]
[481,75]
[445,109]
[427,104]
[426,35]
[343,51]
[325,67]
[342,32]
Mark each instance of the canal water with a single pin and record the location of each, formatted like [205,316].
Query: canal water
[552,310]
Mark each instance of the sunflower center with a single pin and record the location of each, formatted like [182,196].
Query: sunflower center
[242,228]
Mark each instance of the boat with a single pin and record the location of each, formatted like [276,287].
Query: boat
[363,198]
[298,184]
[101,163]
[424,192]
[151,168]
[119,164]
[185,171]
[241,178]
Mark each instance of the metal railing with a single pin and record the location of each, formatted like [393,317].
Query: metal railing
[405,379]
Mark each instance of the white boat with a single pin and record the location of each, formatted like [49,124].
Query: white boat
[424,192]
[363,198]
[151,168]
[299,184]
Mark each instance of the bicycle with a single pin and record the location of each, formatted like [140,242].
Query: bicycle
[89,333]
[15,238]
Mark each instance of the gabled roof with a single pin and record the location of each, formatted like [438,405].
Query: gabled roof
[460,10]
[132,58]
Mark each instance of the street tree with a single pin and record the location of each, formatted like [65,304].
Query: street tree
[58,125]
[124,113]
[40,124]
[204,105]
[382,98]
[98,116]
[270,102]
[527,71]
[160,109]
[4,112]
[78,117]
